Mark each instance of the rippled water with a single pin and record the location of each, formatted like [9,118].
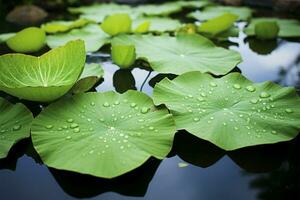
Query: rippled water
[195,169]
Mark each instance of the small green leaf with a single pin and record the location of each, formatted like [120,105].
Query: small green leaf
[63,26]
[92,35]
[43,78]
[218,25]
[231,112]
[142,27]
[123,55]
[15,123]
[28,40]
[91,74]
[116,24]
[287,27]
[102,134]
[182,53]
[266,30]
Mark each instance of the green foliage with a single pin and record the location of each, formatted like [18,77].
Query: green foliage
[123,55]
[63,26]
[116,24]
[28,40]
[266,30]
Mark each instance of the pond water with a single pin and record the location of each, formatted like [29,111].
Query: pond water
[201,171]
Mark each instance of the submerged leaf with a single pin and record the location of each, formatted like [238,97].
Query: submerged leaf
[28,40]
[91,74]
[218,25]
[44,78]
[231,112]
[287,27]
[243,13]
[102,134]
[92,35]
[123,55]
[182,53]
[63,26]
[116,24]
[15,122]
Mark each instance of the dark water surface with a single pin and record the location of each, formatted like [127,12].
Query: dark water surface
[269,172]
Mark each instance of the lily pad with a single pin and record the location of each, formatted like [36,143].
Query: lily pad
[182,53]
[158,9]
[15,123]
[243,13]
[105,9]
[63,26]
[193,4]
[287,27]
[102,134]
[91,74]
[92,35]
[44,78]
[123,55]
[231,112]
[116,24]
[158,24]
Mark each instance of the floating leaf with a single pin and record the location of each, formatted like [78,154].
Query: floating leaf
[287,27]
[123,55]
[182,53]
[28,40]
[6,36]
[218,25]
[266,30]
[231,112]
[116,24]
[63,26]
[158,10]
[105,9]
[92,35]
[44,78]
[158,24]
[15,122]
[102,134]
[193,4]
[91,74]
[243,13]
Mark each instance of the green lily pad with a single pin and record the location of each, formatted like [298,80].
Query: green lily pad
[91,74]
[218,25]
[287,27]
[231,112]
[44,78]
[158,24]
[63,26]
[158,9]
[15,123]
[105,9]
[193,4]
[6,36]
[266,30]
[123,55]
[182,53]
[92,35]
[102,134]
[28,40]
[243,13]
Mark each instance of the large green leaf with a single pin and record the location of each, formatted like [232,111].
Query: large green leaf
[182,53]
[287,27]
[231,112]
[44,78]
[158,9]
[193,4]
[91,74]
[158,24]
[15,122]
[63,26]
[102,134]
[243,13]
[92,35]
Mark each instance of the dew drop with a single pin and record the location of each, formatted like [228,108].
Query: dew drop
[91,152]
[200,99]
[213,84]
[74,125]
[264,95]
[15,128]
[288,110]
[237,86]
[144,110]
[117,102]
[250,88]
[196,119]
[49,126]
[70,120]
[106,104]
[132,105]
[76,130]
[68,137]
[92,103]
[274,132]
[203,94]
[254,101]
[151,128]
